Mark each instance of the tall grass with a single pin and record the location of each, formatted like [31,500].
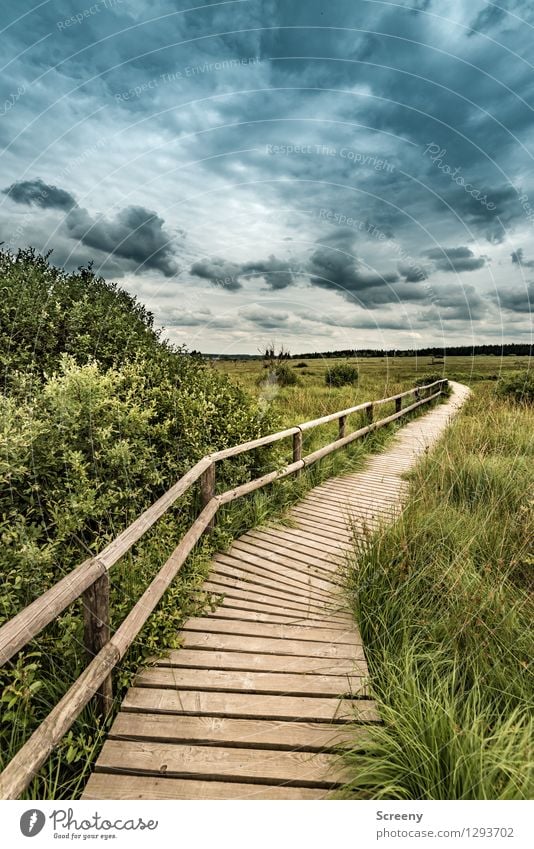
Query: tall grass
[443,600]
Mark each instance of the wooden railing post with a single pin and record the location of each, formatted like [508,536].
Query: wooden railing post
[297,450]
[96,634]
[370,413]
[207,489]
[342,426]
[398,405]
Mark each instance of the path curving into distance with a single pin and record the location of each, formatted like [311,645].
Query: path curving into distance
[267,687]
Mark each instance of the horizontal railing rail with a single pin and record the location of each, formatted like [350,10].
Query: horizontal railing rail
[91,578]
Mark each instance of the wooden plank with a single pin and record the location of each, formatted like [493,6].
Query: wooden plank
[321,532]
[246,589]
[249,706]
[102,785]
[96,633]
[303,633]
[334,550]
[219,763]
[234,592]
[287,556]
[265,581]
[266,645]
[258,662]
[325,509]
[281,566]
[248,615]
[298,547]
[332,523]
[256,582]
[229,607]
[356,512]
[224,564]
[284,577]
[245,733]
[270,683]
[322,535]
[369,488]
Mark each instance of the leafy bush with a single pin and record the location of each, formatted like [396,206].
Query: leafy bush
[518,387]
[279,375]
[45,312]
[428,378]
[99,417]
[342,374]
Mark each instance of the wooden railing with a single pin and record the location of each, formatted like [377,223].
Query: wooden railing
[90,579]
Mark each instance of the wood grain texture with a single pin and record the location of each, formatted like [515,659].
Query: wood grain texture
[242,733]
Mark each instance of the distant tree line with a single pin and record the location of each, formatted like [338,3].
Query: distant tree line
[506,350]
[512,349]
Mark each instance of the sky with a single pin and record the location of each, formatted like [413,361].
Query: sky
[320,175]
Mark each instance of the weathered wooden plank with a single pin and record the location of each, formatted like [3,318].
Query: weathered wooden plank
[220,763]
[233,590]
[325,508]
[372,490]
[303,633]
[267,540]
[285,557]
[248,615]
[248,706]
[256,661]
[241,570]
[336,525]
[265,581]
[245,733]
[247,589]
[327,547]
[96,633]
[321,532]
[268,645]
[271,683]
[296,573]
[103,785]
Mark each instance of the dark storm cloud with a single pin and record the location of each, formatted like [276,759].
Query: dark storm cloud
[277,273]
[38,193]
[218,271]
[455,259]
[335,269]
[136,234]
[387,80]
[516,298]
[412,271]
[518,259]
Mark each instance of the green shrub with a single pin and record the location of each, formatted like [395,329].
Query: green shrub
[428,378]
[280,374]
[45,312]
[342,374]
[98,418]
[518,387]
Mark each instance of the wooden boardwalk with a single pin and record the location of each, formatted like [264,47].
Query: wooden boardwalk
[269,686]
